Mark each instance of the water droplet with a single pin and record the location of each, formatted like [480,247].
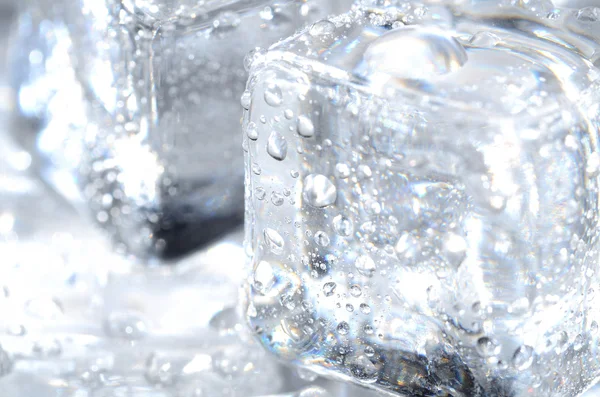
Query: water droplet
[355,291]
[342,170]
[252,131]
[319,191]
[274,241]
[484,39]
[277,146]
[253,56]
[487,347]
[260,193]
[322,238]
[593,164]
[364,308]
[523,357]
[343,226]
[264,277]
[305,127]
[579,342]
[362,369]
[329,288]
[343,328]
[273,95]
[277,199]
[365,265]
[246,100]
[251,311]
[322,28]
[589,14]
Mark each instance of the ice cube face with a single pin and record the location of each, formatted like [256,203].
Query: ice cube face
[422,210]
[159,161]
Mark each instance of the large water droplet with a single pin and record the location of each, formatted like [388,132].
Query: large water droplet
[487,347]
[306,127]
[319,191]
[329,288]
[274,241]
[365,265]
[523,357]
[415,53]
[362,368]
[343,328]
[246,100]
[322,28]
[589,14]
[264,277]
[343,226]
[277,146]
[273,95]
[252,131]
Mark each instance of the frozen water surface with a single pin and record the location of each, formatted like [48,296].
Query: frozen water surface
[422,198]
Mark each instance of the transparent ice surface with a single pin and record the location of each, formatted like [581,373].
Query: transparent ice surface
[152,148]
[422,198]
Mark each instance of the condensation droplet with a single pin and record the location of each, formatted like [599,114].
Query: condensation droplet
[329,288]
[274,241]
[487,347]
[322,238]
[252,131]
[365,265]
[343,226]
[523,357]
[343,328]
[273,95]
[277,146]
[306,127]
[246,100]
[322,28]
[319,191]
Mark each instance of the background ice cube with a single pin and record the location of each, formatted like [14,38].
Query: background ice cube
[155,156]
[422,201]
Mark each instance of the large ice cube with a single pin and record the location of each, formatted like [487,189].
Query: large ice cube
[422,200]
[158,159]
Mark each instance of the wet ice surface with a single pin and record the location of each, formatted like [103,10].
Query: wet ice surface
[152,148]
[422,188]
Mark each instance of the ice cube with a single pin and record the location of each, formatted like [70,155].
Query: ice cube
[422,200]
[156,155]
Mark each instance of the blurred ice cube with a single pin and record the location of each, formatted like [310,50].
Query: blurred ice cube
[152,147]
